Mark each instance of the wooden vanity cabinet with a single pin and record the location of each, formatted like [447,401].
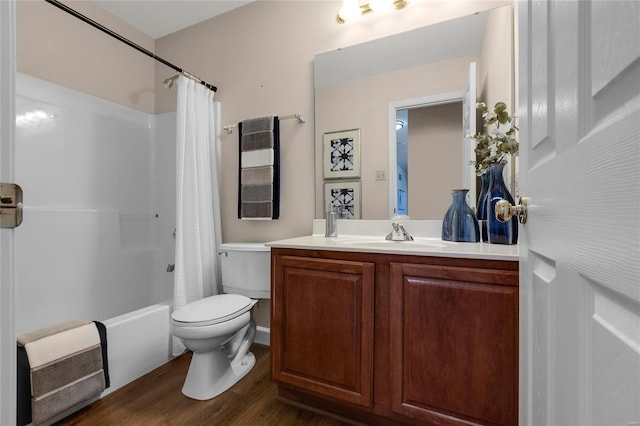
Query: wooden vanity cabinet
[323,311]
[454,343]
[395,339]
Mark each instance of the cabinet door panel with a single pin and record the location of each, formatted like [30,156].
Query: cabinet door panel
[323,335]
[454,345]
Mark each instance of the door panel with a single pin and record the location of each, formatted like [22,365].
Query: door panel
[580,289]
[454,344]
[322,326]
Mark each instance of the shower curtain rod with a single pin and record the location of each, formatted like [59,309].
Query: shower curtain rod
[117,36]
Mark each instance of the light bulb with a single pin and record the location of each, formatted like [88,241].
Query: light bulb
[381,5]
[350,10]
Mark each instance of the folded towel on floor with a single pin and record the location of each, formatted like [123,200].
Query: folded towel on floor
[259,169]
[60,367]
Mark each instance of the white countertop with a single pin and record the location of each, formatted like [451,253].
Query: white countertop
[424,243]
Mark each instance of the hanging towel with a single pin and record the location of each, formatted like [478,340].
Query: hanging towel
[59,367]
[259,169]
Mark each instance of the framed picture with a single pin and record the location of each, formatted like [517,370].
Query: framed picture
[341,154]
[345,197]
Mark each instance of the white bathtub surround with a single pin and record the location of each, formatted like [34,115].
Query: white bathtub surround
[198,228]
[97,225]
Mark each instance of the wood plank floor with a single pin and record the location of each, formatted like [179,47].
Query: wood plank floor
[156,399]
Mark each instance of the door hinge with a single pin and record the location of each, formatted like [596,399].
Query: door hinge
[10,205]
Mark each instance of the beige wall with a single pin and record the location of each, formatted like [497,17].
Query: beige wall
[434,152]
[54,46]
[495,69]
[364,104]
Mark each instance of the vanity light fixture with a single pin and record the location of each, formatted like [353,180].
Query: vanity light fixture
[351,9]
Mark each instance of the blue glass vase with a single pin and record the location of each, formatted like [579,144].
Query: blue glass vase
[499,232]
[460,222]
[481,206]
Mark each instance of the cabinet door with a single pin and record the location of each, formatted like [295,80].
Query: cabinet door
[322,329]
[454,344]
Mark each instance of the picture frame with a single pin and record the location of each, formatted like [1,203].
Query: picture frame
[344,195]
[341,154]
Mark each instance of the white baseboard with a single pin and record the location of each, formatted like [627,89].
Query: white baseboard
[263,335]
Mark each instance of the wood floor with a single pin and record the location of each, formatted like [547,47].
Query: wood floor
[156,399]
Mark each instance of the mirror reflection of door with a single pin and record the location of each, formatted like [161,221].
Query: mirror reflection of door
[402,127]
[430,136]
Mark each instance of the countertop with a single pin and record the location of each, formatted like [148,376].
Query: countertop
[421,245]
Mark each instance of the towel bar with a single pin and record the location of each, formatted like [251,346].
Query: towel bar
[229,128]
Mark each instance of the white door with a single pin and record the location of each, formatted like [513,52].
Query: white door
[579,109]
[7,333]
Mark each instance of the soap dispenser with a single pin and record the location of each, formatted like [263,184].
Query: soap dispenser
[332,225]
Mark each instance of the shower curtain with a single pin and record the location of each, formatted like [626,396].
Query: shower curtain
[198,229]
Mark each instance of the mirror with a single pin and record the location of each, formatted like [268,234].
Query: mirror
[411,77]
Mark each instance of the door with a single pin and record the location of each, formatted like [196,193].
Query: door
[579,82]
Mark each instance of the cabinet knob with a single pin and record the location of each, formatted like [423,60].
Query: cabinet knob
[505,211]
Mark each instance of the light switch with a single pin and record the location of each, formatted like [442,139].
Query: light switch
[381,175]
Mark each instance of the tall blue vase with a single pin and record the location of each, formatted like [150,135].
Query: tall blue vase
[481,206]
[460,223]
[499,232]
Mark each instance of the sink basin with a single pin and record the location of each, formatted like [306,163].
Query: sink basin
[416,244]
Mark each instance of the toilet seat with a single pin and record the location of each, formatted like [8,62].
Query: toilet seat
[211,310]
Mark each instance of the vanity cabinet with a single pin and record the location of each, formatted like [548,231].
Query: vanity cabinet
[396,339]
[323,311]
[454,344]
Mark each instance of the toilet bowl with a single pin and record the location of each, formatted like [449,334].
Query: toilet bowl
[219,329]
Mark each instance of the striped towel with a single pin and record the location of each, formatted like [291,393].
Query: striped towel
[59,367]
[259,169]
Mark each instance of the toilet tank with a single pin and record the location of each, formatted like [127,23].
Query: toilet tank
[246,269]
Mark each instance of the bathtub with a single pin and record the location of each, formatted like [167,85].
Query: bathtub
[137,343]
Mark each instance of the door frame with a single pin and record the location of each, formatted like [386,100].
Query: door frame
[420,102]
[7,246]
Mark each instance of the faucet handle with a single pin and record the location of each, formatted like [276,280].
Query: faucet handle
[405,234]
[398,233]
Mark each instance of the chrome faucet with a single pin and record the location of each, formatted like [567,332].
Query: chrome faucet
[398,233]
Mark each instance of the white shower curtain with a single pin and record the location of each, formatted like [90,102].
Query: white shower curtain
[198,230]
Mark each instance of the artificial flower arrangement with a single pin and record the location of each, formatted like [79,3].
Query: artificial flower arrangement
[497,143]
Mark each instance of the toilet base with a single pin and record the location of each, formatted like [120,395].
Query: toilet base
[211,373]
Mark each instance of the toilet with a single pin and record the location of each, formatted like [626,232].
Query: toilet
[219,329]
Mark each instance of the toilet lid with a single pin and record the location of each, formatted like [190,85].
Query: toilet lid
[212,310]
